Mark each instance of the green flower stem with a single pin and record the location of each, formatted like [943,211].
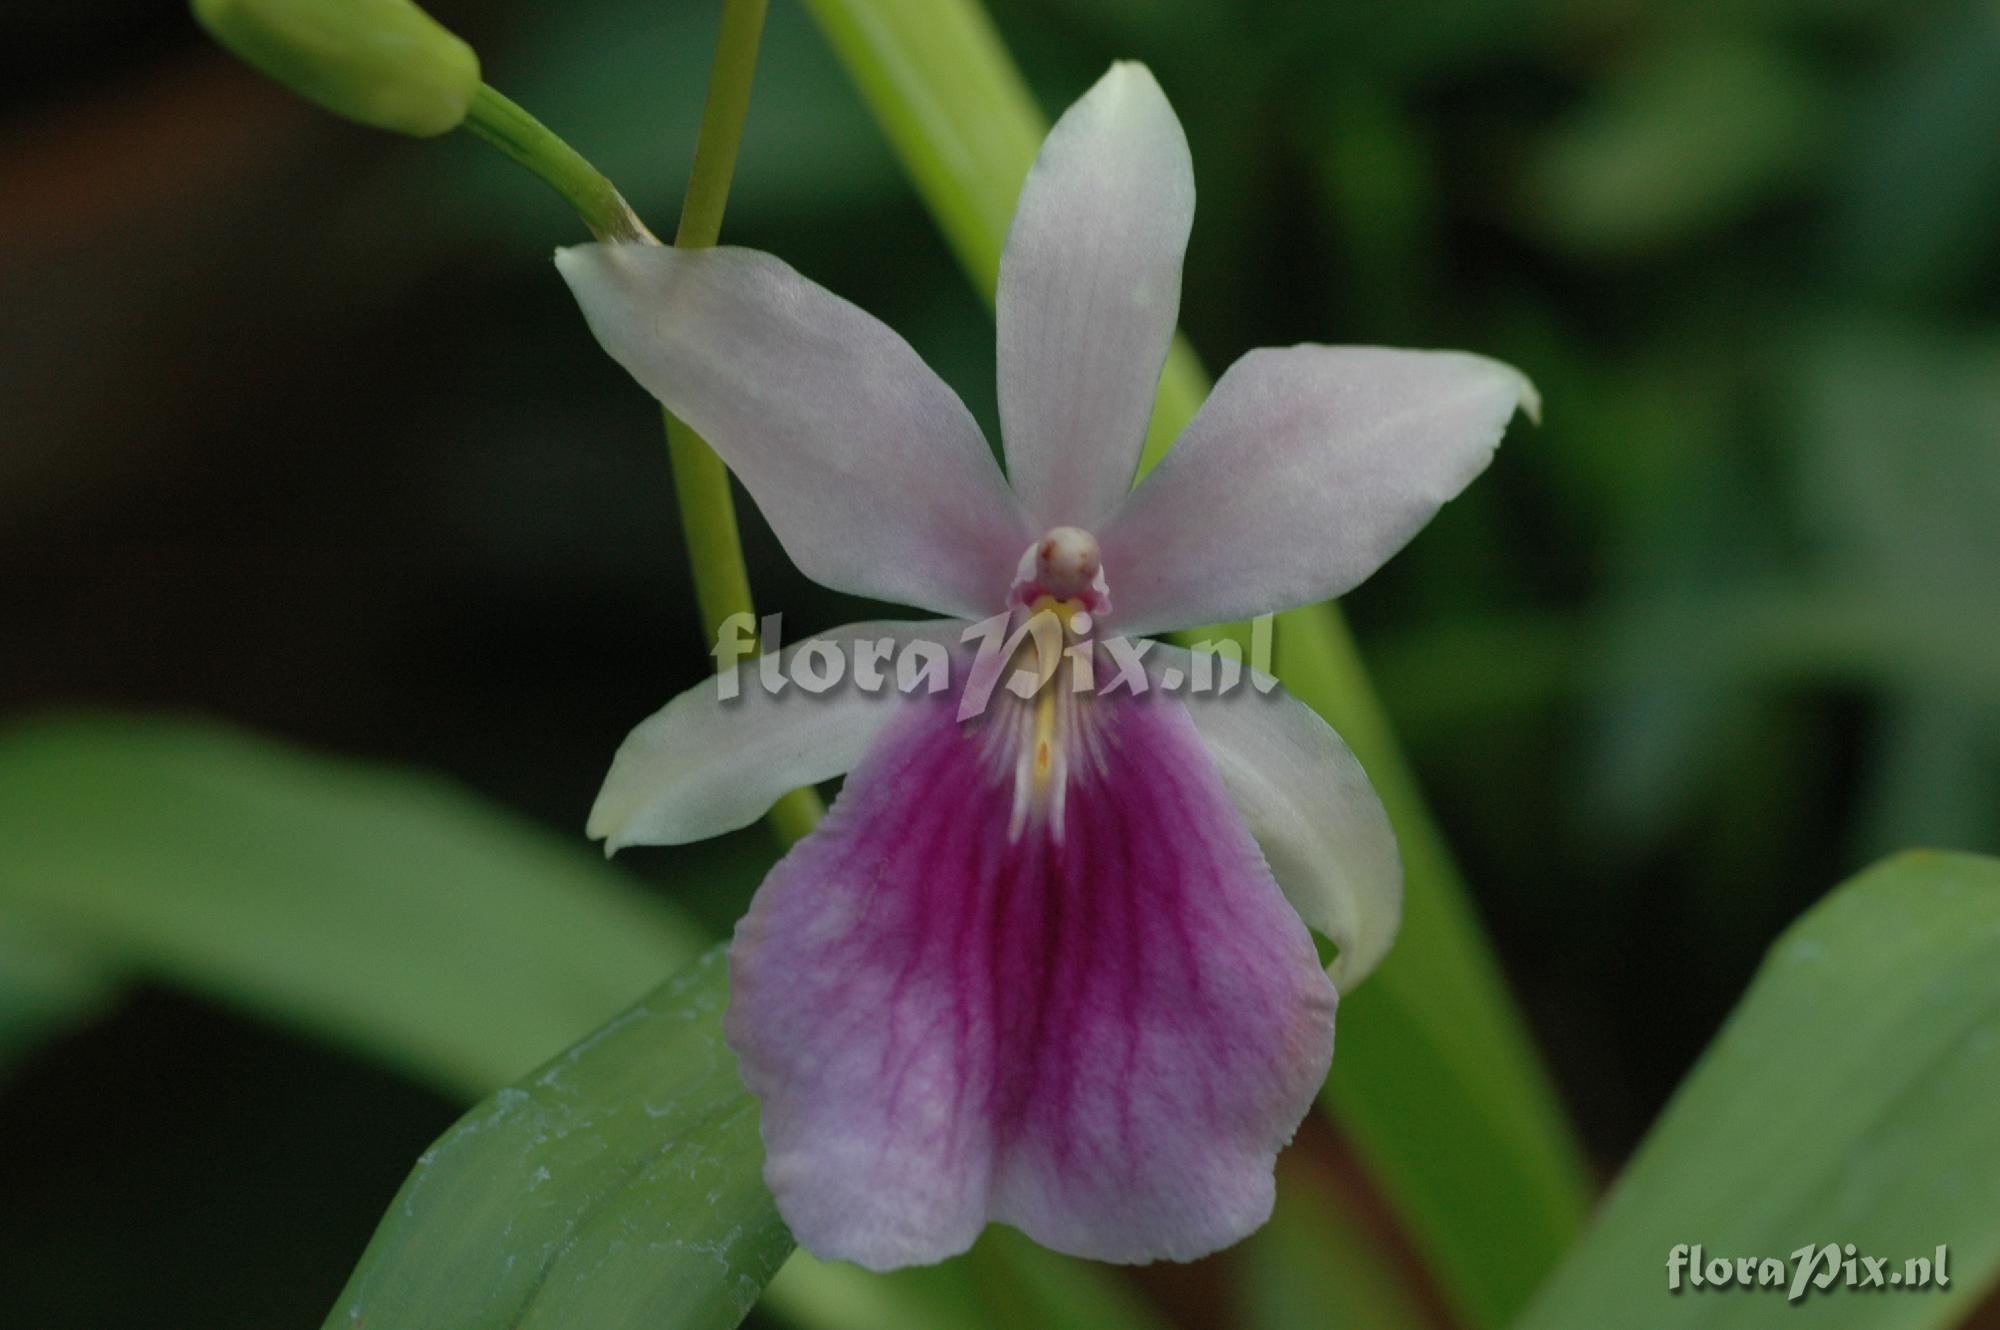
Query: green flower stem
[1438,1082]
[722,116]
[708,523]
[527,141]
[701,481]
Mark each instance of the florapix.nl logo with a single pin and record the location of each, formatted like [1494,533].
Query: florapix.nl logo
[1813,1268]
[1025,652]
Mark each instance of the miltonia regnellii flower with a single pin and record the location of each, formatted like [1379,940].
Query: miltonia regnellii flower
[1048,965]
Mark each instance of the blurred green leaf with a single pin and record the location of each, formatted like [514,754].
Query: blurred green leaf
[1892,480]
[1688,137]
[1022,1284]
[49,983]
[1374,168]
[1915,196]
[1936,778]
[952,104]
[1313,1265]
[1003,1282]
[1438,680]
[391,913]
[1893,431]
[1898,478]
[1681,673]
[616,1186]
[1411,42]
[846,1297]
[1848,1099]
[1437,1079]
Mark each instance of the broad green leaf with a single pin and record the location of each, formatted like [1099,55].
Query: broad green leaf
[1437,1080]
[1849,1099]
[390,913]
[616,1186]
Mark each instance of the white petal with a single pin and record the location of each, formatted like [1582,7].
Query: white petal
[1090,287]
[703,765]
[1312,809]
[1304,471]
[868,467]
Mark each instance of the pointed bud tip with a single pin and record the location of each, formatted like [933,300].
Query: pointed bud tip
[383,63]
[1129,78]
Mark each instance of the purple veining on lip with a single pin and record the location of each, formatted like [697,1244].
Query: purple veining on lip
[1102,1039]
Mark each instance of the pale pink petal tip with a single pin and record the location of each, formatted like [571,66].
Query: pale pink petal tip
[1099,1030]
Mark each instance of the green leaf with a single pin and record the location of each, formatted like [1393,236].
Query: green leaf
[1003,1282]
[1892,435]
[616,1186]
[1912,204]
[49,983]
[1313,1265]
[846,1297]
[1022,1284]
[1850,1098]
[1437,1079]
[1691,136]
[397,915]
[390,913]
[1936,778]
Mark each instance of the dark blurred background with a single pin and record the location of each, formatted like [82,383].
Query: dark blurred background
[298,428]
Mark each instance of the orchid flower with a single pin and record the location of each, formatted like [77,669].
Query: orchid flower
[1048,965]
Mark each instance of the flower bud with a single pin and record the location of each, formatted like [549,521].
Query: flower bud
[384,63]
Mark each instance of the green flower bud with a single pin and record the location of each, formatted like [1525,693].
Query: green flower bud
[384,63]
